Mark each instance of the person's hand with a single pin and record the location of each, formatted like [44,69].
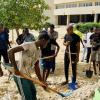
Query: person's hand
[44,86]
[67,43]
[16,72]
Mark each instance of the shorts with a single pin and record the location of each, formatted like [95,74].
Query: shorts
[95,56]
[47,64]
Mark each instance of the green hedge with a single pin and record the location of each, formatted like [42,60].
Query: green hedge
[84,27]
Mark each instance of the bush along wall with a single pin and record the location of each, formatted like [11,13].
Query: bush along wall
[84,27]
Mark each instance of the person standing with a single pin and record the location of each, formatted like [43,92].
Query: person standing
[48,64]
[30,58]
[3,46]
[88,44]
[74,41]
[25,37]
[53,35]
[95,42]
[84,52]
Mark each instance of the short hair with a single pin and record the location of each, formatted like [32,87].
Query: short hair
[26,30]
[52,26]
[91,29]
[43,35]
[70,26]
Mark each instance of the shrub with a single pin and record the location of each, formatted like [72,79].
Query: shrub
[84,27]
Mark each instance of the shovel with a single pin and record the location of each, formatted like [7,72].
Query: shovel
[89,72]
[19,74]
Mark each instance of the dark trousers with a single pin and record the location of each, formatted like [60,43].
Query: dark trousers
[88,54]
[4,53]
[66,66]
[53,60]
[26,88]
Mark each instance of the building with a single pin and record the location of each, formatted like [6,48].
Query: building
[74,11]
[50,11]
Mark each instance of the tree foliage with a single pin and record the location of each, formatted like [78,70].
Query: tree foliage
[23,13]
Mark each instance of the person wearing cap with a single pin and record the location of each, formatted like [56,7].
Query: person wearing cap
[53,35]
[72,40]
[29,59]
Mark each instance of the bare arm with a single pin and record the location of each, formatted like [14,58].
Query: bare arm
[78,50]
[11,54]
[58,48]
[37,71]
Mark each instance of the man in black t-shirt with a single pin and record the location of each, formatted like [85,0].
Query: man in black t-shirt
[48,64]
[74,41]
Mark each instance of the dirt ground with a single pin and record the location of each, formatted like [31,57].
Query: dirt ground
[86,87]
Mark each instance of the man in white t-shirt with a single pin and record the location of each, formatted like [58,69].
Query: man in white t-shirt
[88,44]
[30,53]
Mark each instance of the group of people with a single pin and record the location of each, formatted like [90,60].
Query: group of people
[44,51]
[91,52]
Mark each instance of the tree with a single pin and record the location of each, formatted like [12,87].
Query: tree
[17,14]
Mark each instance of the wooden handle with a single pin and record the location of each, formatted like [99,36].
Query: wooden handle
[47,57]
[22,75]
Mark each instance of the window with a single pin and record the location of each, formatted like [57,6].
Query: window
[85,4]
[71,5]
[60,6]
[97,3]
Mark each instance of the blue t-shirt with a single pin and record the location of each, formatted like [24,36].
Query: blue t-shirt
[3,40]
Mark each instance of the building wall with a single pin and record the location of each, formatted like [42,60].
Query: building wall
[77,7]
[71,7]
[50,11]
[66,1]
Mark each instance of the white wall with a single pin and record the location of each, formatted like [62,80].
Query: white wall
[78,10]
[50,12]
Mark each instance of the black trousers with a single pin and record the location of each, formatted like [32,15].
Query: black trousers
[88,54]
[53,60]
[66,66]
[4,53]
